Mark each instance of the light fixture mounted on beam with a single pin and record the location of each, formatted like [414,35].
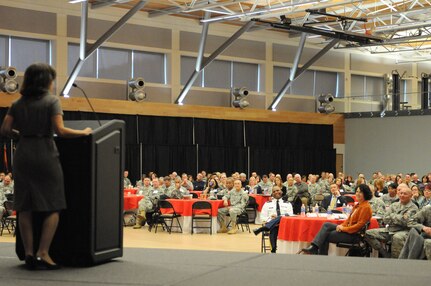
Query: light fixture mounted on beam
[325,101]
[8,81]
[135,89]
[239,97]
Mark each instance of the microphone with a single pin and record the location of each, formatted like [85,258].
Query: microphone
[89,103]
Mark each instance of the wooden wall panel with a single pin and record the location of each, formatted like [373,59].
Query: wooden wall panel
[211,112]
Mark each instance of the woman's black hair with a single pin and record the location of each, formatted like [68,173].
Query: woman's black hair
[365,190]
[37,79]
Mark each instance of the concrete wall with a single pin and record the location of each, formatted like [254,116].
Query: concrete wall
[390,145]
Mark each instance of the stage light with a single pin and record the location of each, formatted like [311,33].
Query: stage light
[135,89]
[238,95]
[325,106]
[7,80]
[325,98]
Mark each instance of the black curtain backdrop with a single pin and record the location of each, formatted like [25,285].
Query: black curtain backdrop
[284,160]
[222,159]
[156,130]
[211,132]
[164,159]
[132,162]
[218,145]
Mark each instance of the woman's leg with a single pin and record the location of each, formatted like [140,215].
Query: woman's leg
[48,230]
[26,231]
[323,233]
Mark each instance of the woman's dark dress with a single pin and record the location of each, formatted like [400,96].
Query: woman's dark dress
[38,175]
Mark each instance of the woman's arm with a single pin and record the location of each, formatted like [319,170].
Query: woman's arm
[62,131]
[6,127]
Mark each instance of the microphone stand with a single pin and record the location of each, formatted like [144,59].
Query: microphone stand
[89,103]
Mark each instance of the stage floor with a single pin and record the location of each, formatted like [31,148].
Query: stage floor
[141,266]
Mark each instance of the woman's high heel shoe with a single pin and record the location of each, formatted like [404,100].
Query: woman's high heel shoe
[43,264]
[30,262]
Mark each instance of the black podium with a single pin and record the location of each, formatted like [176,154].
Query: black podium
[90,229]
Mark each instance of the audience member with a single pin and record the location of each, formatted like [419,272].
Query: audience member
[199,184]
[271,213]
[391,196]
[347,231]
[334,200]
[420,230]
[396,218]
[238,201]
[126,180]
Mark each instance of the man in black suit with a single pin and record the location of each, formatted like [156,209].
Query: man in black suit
[334,200]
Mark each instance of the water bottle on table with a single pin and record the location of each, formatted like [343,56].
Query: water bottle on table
[303,210]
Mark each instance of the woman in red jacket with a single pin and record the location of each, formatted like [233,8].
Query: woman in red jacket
[347,231]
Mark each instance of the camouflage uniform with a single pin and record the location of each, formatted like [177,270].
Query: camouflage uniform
[7,189]
[176,194]
[238,202]
[325,187]
[291,193]
[414,246]
[388,200]
[2,200]
[266,187]
[378,207]
[314,189]
[396,219]
[144,190]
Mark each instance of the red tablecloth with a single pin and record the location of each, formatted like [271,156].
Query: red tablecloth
[305,228]
[184,207]
[131,202]
[260,200]
[131,191]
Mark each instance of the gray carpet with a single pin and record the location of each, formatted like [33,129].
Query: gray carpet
[205,268]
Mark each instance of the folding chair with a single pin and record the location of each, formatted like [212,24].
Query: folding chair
[265,243]
[202,211]
[169,215]
[251,209]
[9,219]
[360,247]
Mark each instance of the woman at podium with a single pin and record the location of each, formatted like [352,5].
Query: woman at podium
[39,186]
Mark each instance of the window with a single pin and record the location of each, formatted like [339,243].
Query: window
[188,65]
[25,52]
[375,87]
[245,75]
[150,66]
[358,85]
[305,84]
[120,64]
[281,74]
[89,69]
[326,82]
[218,74]
[4,51]
[114,64]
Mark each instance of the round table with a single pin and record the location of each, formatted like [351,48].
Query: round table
[131,202]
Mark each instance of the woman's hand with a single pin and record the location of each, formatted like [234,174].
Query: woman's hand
[340,228]
[87,131]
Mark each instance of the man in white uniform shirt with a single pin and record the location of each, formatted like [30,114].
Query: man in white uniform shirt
[271,214]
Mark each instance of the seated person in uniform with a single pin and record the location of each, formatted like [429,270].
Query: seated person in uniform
[7,186]
[414,247]
[176,192]
[271,214]
[238,201]
[127,183]
[148,203]
[347,231]
[396,218]
[391,196]
[211,189]
[334,200]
